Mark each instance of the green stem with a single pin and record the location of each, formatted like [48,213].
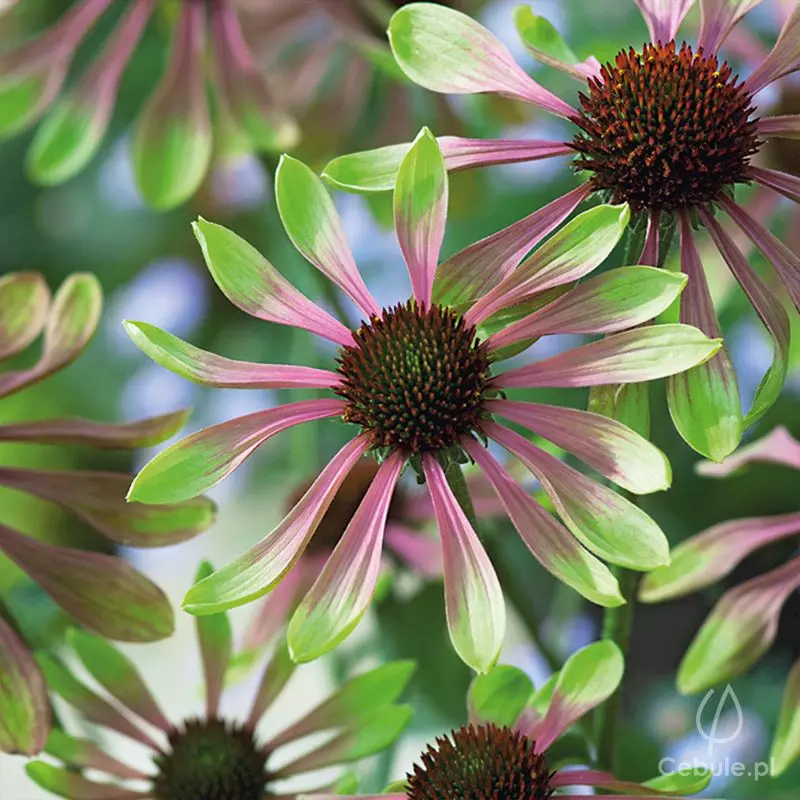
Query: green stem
[617,626]
[666,236]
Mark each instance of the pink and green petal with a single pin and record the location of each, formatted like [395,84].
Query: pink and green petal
[262,567]
[633,356]
[664,17]
[24,301]
[73,786]
[24,706]
[784,127]
[420,212]
[172,142]
[73,131]
[104,593]
[606,523]
[116,673]
[209,369]
[717,20]
[608,303]
[786,745]
[85,754]
[341,594]
[98,498]
[608,446]
[89,705]
[499,697]
[251,283]
[777,447]
[784,58]
[740,629]
[684,782]
[476,614]
[712,555]
[312,223]
[277,673]
[574,251]
[200,461]
[770,311]
[704,401]
[71,321]
[476,269]
[628,403]
[551,544]
[447,51]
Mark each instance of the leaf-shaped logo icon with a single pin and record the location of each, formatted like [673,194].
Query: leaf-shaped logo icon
[712,735]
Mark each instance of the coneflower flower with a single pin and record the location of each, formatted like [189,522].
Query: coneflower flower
[210,756]
[743,624]
[667,128]
[417,382]
[100,591]
[172,142]
[502,752]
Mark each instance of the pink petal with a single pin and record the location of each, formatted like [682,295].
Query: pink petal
[649,254]
[786,263]
[86,754]
[342,593]
[474,601]
[258,570]
[589,777]
[718,18]
[787,185]
[663,18]
[460,153]
[421,552]
[786,127]
[66,783]
[777,447]
[276,675]
[476,269]
[784,58]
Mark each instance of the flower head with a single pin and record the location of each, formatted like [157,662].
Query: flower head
[211,757]
[667,128]
[418,383]
[503,752]
[100,591]
[744,623]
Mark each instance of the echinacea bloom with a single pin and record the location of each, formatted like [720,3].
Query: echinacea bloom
[210,756]
[744,623]
[503,752]
[417,381]
[667,128]
[173,139]
[100,591]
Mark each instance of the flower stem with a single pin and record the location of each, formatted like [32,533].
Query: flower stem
[617,626]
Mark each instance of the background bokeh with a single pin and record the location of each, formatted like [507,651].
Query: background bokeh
[151,269]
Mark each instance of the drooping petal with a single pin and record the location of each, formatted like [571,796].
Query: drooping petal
[704,401]
[574,251]
[777,447]
[420,212]
[342,592]
[250,282]
[788,185]
[116,673]
[587,679]
[24,300]
[276,675]
[85,754]
[447,51]
[209,369]
[686,782]
[770,311]
[711,555]
[24,707]
[476,269]
[786,263]
[499,696]
[172,142]
[72,133]
[125,435]
[313,225]
[607,524]
[202,460]
[89,705]
[784,127]
[718,17]
[739,630]
[608,303]
[259,569]
[71,321]
[73,786]
[614,450]
[104,593]
[99,499]
[643,354]
[551,543]
[786,745]
[476,614]
[782,60]
[663,17]
[376,170]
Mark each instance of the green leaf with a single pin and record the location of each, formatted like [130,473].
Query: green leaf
[499,696]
